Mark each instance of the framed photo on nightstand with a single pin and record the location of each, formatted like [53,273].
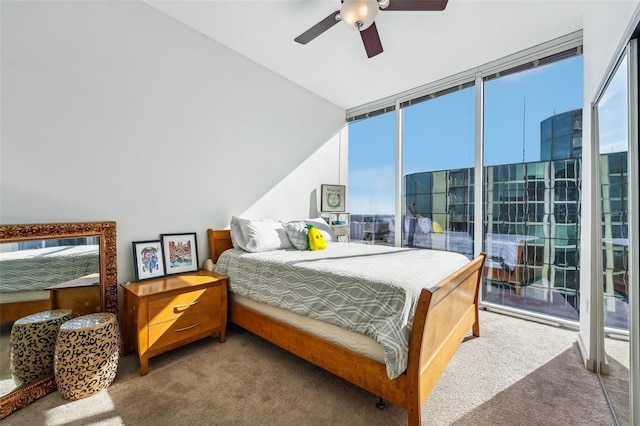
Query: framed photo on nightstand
[332,198]
[180,253]
[148,260]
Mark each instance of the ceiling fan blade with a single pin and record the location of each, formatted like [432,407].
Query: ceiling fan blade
[318,28]
[371,40]
[417,5]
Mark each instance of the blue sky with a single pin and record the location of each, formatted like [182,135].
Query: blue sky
[612,113]
[439,134]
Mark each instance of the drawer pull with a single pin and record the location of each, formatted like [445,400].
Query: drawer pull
[186,305]
[177,330]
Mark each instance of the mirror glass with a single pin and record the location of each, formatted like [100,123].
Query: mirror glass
[69,266]
[613,138]
[40,275]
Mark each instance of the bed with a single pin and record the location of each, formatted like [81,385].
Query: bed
[25,276]
[442,317]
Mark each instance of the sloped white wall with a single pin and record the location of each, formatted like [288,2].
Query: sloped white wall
[276,204]
[113,111]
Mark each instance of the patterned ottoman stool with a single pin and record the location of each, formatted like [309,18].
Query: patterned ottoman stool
[33,340]
[86,355]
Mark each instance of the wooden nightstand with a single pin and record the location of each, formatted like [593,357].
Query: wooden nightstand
[165,313]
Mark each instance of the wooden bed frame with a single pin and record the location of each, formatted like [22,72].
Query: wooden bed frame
[442,320]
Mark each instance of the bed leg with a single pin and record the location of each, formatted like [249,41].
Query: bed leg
[381,405]
[476,325]
[414,416]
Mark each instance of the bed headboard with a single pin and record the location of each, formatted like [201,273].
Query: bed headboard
[219,241]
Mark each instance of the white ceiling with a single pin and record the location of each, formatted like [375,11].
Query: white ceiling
[419,47]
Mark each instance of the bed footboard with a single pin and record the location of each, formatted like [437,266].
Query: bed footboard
[443,319]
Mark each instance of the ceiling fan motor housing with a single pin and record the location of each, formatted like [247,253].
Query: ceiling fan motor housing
[359,14]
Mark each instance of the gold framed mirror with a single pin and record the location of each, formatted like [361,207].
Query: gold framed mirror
[102,235]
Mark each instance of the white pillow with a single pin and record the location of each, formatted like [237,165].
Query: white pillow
[237,238]
[263,235]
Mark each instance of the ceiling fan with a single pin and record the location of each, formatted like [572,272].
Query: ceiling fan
[360,15]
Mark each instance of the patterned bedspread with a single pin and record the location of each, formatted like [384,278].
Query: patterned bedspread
[36,269]
[369,289]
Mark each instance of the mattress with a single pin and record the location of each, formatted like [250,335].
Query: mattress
[366,289]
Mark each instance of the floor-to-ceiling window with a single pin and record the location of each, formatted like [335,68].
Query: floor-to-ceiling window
[371,179]
[438,161]
[532,153]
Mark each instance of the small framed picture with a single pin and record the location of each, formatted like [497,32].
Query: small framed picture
[180,253]
[333,198]
[148,260]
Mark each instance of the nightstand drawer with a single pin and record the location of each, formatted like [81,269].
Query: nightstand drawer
[169,332]
[173,307]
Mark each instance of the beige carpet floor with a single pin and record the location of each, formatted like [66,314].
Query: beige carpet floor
[517,373]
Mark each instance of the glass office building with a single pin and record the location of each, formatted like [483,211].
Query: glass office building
[561,136]
[531,222]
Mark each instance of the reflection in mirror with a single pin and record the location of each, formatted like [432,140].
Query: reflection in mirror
[613,139]
[46,267]
[40,275]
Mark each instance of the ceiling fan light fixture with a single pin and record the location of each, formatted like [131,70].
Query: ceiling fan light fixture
[359,14]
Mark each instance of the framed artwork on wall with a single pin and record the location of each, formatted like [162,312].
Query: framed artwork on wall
[180,252]
[333,198]
[148,260]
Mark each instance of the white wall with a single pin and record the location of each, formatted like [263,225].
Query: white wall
[607,25]
[276,204]
[113,111]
